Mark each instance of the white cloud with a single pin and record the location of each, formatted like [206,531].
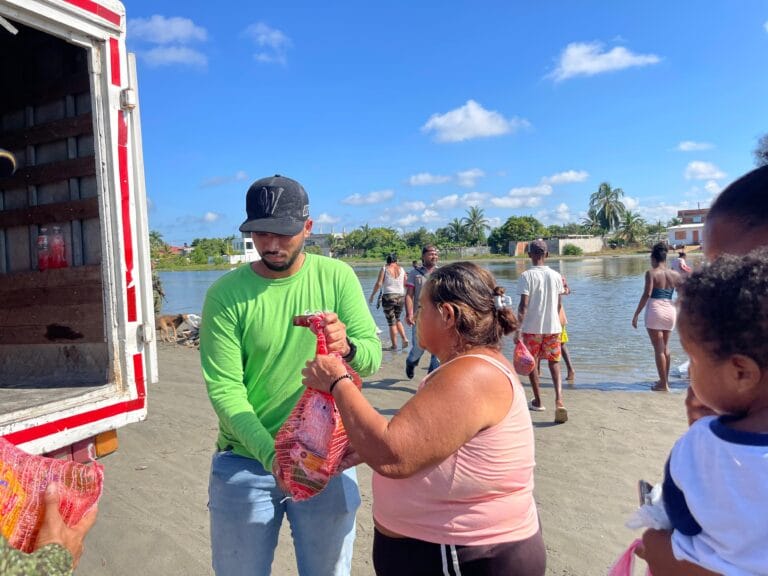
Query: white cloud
[468,178]
[170,55]
[414,206]
[211,217]
[590,58]
[425,179]
[429,216]
[516,202]
[766,25]
[326,218]
[408,220]
[273,43]
[158,29]
[470,121]
[474,198]
[567,177]
[375,197]
[692,146]
[447,202]
[698,170]
[239,176]
[561,214]
[541,190]
[713,187]
[630,203]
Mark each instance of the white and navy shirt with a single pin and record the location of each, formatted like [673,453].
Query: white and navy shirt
[716,496]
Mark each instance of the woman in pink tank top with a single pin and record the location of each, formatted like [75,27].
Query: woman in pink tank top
[453,470]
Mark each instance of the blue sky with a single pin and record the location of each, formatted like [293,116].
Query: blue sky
[405,114]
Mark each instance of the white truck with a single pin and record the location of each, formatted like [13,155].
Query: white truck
[77,349]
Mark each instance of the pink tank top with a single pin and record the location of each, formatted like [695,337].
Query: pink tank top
[481,494]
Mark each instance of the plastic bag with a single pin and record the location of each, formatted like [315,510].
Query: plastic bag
[523,360]
[625,565]
[312,442]
[23,479]
[378,300]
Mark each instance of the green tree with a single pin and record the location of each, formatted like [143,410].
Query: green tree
[608,207]
[517,229]
[157,245]
[591,223]
[419,238]
[674,222]
[475,225]
[456,231]
[631,228]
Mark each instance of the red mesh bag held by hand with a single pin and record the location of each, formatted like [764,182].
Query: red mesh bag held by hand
[523,360]
[23,479]
[312,442]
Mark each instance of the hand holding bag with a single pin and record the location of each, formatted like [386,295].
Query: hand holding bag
[378,300]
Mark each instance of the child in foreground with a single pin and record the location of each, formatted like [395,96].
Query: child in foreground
[715,488]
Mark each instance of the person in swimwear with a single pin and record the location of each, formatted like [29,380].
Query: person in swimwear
[660,313]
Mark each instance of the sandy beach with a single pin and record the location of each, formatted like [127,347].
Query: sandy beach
[153,517]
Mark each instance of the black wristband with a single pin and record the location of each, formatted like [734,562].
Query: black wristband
[339,379]
[352,351]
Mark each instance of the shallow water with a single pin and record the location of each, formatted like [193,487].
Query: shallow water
[608,354]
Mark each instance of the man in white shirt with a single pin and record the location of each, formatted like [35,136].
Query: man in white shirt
[540,289]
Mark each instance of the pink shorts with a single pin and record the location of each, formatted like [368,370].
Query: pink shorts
[543,346]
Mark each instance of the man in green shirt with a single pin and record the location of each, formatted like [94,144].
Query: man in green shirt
[252,357]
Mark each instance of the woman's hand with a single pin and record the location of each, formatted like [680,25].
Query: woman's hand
[634,320]
[55,531]
[657,552]
[322,371]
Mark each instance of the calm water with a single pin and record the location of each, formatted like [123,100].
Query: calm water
[606,351]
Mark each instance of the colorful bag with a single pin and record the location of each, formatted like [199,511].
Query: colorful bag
[23,480]
[312,442]
[523,360]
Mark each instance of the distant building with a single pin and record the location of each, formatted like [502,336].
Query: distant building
[243,251]
[690,231]
[555,246]
[697,216]
[323,241]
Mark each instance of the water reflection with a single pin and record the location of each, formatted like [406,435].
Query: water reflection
[607,352]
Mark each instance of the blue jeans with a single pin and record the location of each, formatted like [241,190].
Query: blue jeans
[246,513]
[417,352]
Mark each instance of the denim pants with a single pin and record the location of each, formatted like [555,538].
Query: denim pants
[417,352]
[246,513]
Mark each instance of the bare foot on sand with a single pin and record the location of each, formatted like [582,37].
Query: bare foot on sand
[659,387]
[571,376]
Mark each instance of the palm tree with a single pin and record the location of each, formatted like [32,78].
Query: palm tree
[156,244]
[591,223]
[475,224]
[608,206]
[674,222]
[456,230]
[631,227]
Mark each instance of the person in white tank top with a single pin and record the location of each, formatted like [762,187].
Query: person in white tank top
[391,281]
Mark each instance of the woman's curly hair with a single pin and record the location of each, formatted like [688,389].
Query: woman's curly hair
[724,306]
[471,290]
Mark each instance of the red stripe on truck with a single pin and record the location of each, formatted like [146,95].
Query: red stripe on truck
[125,204]
[114,61]
[94,8]
[30,434]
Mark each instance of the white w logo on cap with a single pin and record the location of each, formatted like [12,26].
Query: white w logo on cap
[270,198]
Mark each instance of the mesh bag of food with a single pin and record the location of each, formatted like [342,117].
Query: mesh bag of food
[23,479]
[523,360]
[312,442]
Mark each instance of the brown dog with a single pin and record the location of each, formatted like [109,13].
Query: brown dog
[167,324]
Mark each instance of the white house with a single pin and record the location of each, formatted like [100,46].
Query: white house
[244,251]
[685,234]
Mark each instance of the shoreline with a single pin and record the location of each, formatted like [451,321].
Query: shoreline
[153,517]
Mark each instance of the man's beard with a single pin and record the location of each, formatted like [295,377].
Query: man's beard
[285,265]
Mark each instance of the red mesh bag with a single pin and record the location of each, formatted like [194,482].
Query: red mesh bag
[523,360]
[23,479]
[312,442]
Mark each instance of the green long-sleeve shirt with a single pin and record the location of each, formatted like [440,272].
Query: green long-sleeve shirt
[50,560]
[252,355]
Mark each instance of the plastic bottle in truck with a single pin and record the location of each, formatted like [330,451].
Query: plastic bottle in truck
[77,349]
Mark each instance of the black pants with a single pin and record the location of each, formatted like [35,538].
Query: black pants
[411,557]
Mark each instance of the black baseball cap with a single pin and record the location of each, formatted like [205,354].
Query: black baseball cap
[277,205]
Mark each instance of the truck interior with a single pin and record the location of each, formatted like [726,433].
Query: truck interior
[54,343]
